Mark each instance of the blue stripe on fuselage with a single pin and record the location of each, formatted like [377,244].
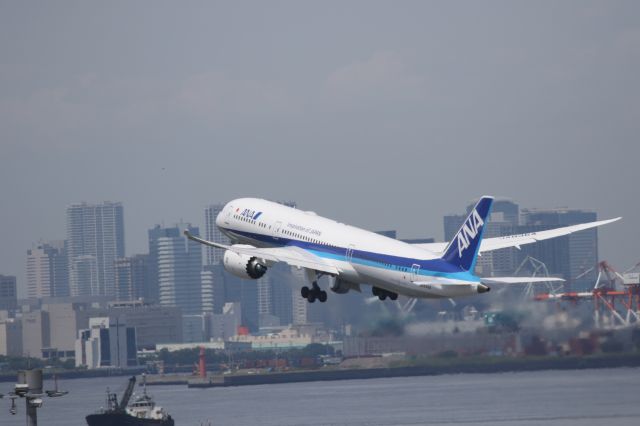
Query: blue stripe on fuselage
[433,267]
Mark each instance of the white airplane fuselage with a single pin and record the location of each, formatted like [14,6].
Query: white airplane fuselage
[361,256]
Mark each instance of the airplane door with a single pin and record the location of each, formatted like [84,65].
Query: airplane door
[349,252]
[276,229]
[415,272]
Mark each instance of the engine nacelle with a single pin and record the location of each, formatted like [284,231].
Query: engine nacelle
[341,286]
[242,265]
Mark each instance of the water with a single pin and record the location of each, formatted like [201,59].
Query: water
[550,398]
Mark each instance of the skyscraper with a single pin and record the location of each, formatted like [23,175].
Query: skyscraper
[212,233]
[177,264]
[95,238]
[213,289]
[48,270]
[132,277]
[8,292]
[569,256]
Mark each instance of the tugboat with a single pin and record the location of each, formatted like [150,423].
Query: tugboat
[143,411]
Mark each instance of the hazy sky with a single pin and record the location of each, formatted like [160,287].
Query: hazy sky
[385,115]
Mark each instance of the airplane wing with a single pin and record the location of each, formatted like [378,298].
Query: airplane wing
[294,256]
[489,244]
[518,280]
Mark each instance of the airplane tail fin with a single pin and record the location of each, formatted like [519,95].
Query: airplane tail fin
[462,250]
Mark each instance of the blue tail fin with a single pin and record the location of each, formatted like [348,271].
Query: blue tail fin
[462,250]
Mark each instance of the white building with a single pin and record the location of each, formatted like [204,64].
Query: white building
[95,238]
[47,270]
[10,337]
[177,264]
[106,343]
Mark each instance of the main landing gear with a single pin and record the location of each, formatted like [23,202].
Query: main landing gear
[313,293]
[383,294]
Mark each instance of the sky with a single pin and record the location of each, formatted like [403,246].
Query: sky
[384,115]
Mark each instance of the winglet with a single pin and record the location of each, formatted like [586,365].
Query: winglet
[462,250]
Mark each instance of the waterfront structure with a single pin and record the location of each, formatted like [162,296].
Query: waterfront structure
[133,278]
[48,270]
[153,323]
[107,342]
[177,265]
[8,293]
[284,339]
[95,238]
[212,233]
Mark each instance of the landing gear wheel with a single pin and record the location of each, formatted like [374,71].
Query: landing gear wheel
[311,297]
[304,292]
[382,296]
[322,297]
[393,296]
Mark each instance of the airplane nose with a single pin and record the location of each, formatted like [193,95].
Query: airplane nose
[483,288]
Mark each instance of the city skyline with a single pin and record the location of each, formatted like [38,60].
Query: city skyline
[450,222]
[521,100]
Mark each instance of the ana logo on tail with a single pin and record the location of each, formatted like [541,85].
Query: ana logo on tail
[468,231]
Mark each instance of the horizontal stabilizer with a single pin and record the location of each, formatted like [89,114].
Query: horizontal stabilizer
[518,280]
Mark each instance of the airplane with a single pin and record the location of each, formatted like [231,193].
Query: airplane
[263,233]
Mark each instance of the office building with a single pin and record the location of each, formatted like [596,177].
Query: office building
[213,288]
[299,306]
[177,264]
[95,239]
[570,256]
[48,270]
[212,233]
[153,323]
[36,333]
[8,293]
[64,321]
[225,325]
[107,343]
[133,278]
[10,337]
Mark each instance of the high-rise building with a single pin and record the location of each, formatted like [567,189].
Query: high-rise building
[212,233]
[132,277]
[177,262]
[213,288]
[95,238]
[8,293]
[299,306]
[570,256]
[48,270]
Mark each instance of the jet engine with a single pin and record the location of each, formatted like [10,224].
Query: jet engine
[341,286]
[243,266]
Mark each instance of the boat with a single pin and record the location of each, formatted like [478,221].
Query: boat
[143,411]
[56,393]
